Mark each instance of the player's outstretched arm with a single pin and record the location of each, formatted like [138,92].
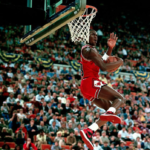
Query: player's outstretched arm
[91,54]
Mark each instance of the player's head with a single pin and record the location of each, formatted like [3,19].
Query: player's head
[93,37]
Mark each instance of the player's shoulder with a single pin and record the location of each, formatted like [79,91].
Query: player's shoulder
[88,52]
[87,49]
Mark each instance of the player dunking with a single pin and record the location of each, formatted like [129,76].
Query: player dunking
[96,90]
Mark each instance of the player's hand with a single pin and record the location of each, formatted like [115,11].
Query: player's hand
[119,59]
[112,40]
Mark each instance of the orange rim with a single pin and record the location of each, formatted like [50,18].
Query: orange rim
[92,7]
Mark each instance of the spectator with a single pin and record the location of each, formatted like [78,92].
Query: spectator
[32,129]
[1,78]
[123,133]
[20,137]
[10,89]
[137,141]
[45,120]
[124,52]
[14,121]
[147,144]
[144,134]
[97,146]
[63,129]
[18,147]
[119,140]
[71,140]
[17,106]
[83,102]
[5,147]
[41,139]
[49,114]
[28,145]
[104,138]
[131,147]
[42,127]
[53,129]
[112,146]
[21,115]
[23,129]
[70,128]
[48,97]
[39,96]
[77,146]
[122,146]
[10,100]
[54,119]
[97,138]
[139,147]
[78,127]
[62,98]
[136,127]
[71,98]
[64,71]
[136,134]
[59,110]
[44,107]
[135,115]
[23,70]
[6,134]
[5,111]
[59,138]
[130,134]
[56,146]
[129,120]
[105,146]
[10,74]
[20,100]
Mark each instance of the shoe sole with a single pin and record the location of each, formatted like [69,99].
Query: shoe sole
[86,140]
[110,118]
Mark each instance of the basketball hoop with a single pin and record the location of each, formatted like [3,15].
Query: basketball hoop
[80,27]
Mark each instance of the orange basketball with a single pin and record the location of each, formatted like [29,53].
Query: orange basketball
[110,60]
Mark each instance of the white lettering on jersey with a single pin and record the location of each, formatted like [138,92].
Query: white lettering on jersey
[98,83]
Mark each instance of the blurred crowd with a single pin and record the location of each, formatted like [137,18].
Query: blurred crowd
[45,106]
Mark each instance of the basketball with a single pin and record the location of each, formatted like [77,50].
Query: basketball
[110,60]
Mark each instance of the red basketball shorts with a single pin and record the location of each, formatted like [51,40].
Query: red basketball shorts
[90,87]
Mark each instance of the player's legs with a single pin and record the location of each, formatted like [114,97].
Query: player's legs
[106,98]
[87,134]
[109,94]
[105,104]
[110,100]
[102,104]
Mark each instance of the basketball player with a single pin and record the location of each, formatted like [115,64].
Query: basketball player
[96,90]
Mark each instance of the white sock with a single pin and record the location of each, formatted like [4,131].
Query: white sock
[112,109]
[94,127]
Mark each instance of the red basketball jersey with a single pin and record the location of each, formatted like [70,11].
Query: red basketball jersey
[88,67]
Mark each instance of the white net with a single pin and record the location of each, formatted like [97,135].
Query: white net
[80,27]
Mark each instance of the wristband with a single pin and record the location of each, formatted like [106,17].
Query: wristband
[105,57]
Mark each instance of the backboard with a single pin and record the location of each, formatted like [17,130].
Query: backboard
[57,15]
